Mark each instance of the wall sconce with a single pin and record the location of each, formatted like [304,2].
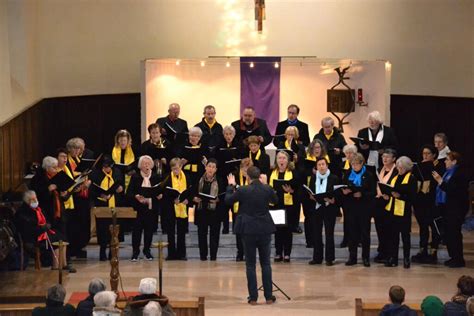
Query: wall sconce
[360,98]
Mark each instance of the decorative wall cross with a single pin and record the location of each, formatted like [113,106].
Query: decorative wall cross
[259,14]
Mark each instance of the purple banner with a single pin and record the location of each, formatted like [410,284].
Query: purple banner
[260,88]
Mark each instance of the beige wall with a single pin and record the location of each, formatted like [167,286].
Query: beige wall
[19,59]
[94,46]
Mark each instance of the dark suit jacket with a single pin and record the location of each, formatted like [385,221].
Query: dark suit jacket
[302,129]
[457,195]
[210,136]
[259,128]
[134,188]
[389,140]
[254,216]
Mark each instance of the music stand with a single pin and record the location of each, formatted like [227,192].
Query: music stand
[277,290]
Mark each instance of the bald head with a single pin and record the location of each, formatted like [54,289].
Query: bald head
[173,111]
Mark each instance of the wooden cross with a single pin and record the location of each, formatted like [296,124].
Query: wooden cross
[259,14]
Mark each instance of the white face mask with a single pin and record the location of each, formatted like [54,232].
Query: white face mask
[34,204]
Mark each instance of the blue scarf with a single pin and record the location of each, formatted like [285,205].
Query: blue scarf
[441,196]
[356,178]
[293,122]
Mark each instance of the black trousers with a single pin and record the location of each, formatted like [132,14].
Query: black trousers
[308,234]
[176,231]
[83,206]
[73,228]
[358,221]
[225,219]
[294,216]
[208,222]
[146,223]
[324,215]
[399,225]
[238,238]
[425,213]
[103,231]
[284,235]
[453,220]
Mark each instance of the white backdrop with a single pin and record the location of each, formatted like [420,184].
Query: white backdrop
[193,87]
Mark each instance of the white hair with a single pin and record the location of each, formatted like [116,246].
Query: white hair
[195,130]
[405,163]
[49,162]
[28,195]
[105,299]
[349,148]
[327,120]
[375,115]
[142,158]
[228,128]
[147,286]
[152,309]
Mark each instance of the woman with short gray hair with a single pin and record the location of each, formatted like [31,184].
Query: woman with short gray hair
[105,304]
[55,303]
[399,205]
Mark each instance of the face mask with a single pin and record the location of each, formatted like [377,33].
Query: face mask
[34,204]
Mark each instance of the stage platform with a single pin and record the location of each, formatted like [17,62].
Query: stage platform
[314,290]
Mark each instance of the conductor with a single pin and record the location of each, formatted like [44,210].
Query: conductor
[256,226]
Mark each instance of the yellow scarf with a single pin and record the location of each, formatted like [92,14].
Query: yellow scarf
[257,156]
[347,165]
[330,135]
[399,209]
[69,203]
[210,124]
[287,197]
[128,159]
[192,167]
[235,208]
[73,164]
[106,184]
[287,145]
[179,183]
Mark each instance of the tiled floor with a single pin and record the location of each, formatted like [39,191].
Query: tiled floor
[314,290]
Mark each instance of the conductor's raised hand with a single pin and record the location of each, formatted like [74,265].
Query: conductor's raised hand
[231,179]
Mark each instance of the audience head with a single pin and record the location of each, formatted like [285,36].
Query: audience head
[105,299]
[50,164]
[470,306]
[29,197]
[209,113]
[432,306]
[466,285]
[293,112]
[152,309]
[173,111]
[404,165]
[96,285]
[195,134]
[327,124]
[357,162]
[375,120]
[229,133]
[440,141]
[429,152]
[248,115]
[389,157]
[452,159]
[56,293]
[145,163]
[147,286]
[253,173]
[123,139]
[396,294]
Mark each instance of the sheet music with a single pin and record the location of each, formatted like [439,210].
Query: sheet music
[278,217]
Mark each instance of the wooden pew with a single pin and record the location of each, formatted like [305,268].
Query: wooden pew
[181,308]
[373,309]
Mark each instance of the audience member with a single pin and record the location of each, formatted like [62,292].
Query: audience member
[432,306]
[457,305]
[396,307]
[55,303]
[85,307]
[105,304]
